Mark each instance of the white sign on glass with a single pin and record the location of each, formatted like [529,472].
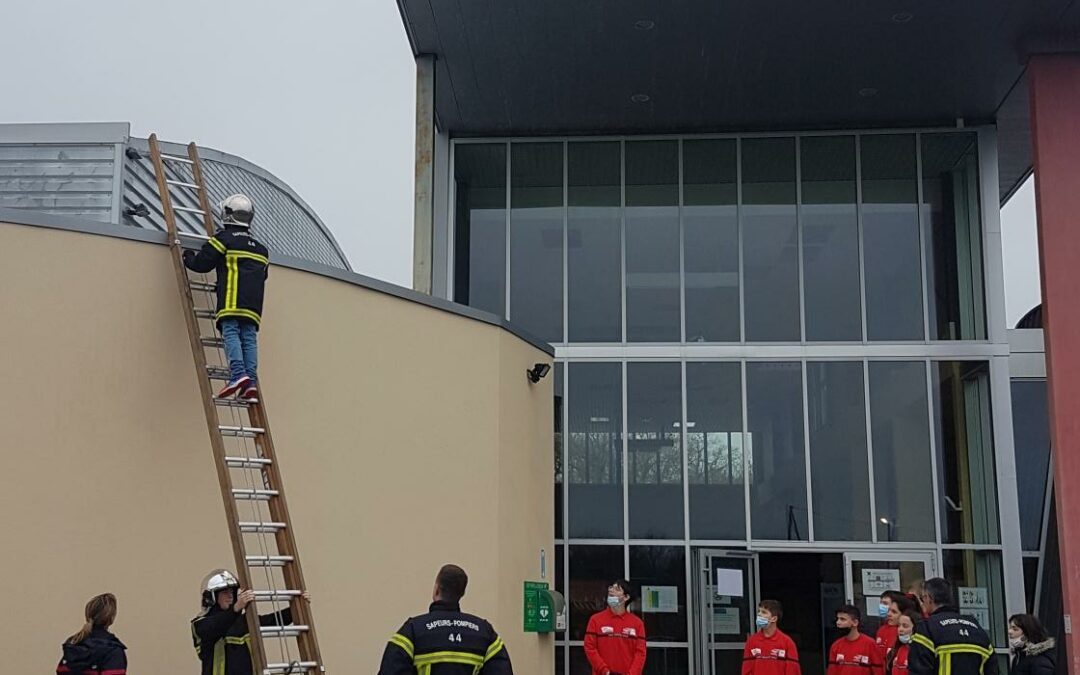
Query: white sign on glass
[660,599]
[877,581]
[729,582]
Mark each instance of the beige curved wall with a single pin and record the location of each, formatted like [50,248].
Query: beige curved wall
[408,437]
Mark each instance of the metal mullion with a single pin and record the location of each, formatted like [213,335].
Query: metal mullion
[799,238]
[870,452]
[1048,501]
[932,429]
[806,444]
[862,236]
[739,236]
[688,562]
[682,254]
[566,243]
[746,454]
[506,283]
[451,239]
[625,473]
[622,234]
[924,274]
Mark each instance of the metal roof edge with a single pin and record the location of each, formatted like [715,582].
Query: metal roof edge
[50,221]
[65,132]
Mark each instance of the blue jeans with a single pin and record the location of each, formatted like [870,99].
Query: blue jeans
[241,347]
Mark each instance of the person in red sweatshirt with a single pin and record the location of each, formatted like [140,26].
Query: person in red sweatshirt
[854,653]
[769,651]
[896,663]
[615,637]
[888,612]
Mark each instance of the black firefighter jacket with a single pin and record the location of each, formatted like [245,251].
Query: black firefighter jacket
[222,641]
[446,641]
[950,643]
[242,264]
[101,653]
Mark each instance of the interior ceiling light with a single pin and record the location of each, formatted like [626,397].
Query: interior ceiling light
[903,17]
[644,24]
[868,92]
[640,98]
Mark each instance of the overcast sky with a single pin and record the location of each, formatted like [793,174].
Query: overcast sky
[318,93]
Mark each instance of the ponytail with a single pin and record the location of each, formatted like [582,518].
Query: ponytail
[100,613]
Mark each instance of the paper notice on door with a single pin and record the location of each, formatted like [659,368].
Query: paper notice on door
[729,582]
[726,621]
[877,581]
[975,601]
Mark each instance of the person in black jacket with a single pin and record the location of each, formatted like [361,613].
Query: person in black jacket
[242,264]
[947,642]
[220,631]
[1033,650]
[94,648]
[446,641]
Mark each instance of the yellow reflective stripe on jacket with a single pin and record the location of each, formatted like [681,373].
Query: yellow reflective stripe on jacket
[249,256]
[923,640]
[217,244]
[244,640]
[467,658]
[403,642]
[219,658]
[494,649]
[245,313]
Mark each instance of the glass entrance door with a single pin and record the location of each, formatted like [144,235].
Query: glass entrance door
[868,575]
[726,586]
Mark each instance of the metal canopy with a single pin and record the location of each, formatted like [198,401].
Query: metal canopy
[520,67]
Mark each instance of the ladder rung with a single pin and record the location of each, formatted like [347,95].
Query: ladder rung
[277,595]
[291,668]
[253,526]
[202,286]
[251,494]
[234,402]
[188,209]
[175,158]
[269,560]
[282,631]
[180,183]
[218,373]
[212,342]
[241,432]
[205,313]
[247,463]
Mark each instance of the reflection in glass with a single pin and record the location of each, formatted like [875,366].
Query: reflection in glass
[559,450]
[536,239]
[667,661]
[965,449]
[594,461]
[840,478]
[560,660]
[975,574]
[894,307]
[830,225]
[711,240]
[1031,439]
[777,473]
[651,569]
[950,169]
[652,241]
[654,450]
[594,242]
[591,569]
[900,430]
[770,240]
[714,450]
[480,226]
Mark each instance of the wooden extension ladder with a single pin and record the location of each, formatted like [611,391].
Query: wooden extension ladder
[252,490]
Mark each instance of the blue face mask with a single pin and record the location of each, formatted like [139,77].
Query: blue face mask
[613,601]
[882,611]
[761,622]
[905,639]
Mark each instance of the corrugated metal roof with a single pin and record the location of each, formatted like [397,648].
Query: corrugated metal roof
[97,171]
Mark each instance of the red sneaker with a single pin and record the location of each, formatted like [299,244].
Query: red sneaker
[250,393]
[234,386]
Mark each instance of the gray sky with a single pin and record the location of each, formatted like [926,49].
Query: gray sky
[318,93]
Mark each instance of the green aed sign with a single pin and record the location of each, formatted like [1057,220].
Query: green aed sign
[539,613]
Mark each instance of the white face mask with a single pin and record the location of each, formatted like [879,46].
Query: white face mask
[1017,643]
[905,639]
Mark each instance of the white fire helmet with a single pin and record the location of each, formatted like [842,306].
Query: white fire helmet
[237,210]
[218,580]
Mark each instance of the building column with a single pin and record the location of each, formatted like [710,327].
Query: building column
[1054,81]
[423,174]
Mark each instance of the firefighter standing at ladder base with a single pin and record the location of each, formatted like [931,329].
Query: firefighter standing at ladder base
[446,641]
[947,642]
[220,631]
[242,264]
